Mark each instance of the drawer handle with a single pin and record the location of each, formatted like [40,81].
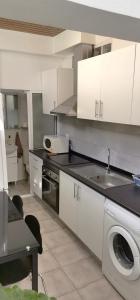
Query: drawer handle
[78,193]
[101,109]
[75,190]
[96,109]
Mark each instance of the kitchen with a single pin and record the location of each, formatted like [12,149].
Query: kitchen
[104,134]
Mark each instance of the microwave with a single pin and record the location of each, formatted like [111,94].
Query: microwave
[56,143]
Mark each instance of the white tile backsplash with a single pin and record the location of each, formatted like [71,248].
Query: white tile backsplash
[92,138]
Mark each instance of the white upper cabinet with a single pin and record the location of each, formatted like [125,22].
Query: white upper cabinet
[105,85]
[135,119]
[117,85]
[57,87]
[89,88]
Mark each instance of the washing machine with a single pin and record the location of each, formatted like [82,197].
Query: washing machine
[121,250]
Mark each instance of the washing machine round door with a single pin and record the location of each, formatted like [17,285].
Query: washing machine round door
[124,252]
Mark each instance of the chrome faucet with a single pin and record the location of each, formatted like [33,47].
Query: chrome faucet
[108,160]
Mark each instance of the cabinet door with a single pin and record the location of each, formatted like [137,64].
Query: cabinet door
[12,168]
[36,175]
[90,219]
[89,82]
[135,118]
[64,84]
[49,83]
[117,85]
[67,201]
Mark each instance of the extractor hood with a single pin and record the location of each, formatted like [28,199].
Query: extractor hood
[69,106]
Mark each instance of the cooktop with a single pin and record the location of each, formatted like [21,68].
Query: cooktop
[68,159]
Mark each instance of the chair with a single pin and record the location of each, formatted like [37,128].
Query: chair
[34,226]
[17,201]
[14,271]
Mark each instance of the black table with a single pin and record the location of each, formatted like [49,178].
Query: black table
[16,240]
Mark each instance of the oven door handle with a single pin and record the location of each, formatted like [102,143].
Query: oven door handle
[49,181]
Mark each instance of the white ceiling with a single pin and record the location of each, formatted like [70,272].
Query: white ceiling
[75,16]
[125,7]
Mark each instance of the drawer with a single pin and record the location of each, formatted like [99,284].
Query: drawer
[12,160]
[35,160]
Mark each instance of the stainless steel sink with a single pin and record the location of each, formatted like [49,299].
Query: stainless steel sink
[109,180]
[99,176]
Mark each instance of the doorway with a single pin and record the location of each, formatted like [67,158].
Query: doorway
[16,142]
[25,124]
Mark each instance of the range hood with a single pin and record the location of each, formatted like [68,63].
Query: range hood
[69,106]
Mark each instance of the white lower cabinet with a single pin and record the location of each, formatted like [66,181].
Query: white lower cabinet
[67,201]
[36,175]
[12,170]
[82,209]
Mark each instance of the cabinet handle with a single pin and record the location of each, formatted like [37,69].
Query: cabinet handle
[96,109]
[75,190]
[78,193]
[101,109]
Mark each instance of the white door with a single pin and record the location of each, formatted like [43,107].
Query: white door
[90,219]
[135,120]
[67,201]
[3,163]
[117,85]
[89,82]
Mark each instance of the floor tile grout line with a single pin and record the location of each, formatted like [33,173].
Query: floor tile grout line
[50,250]
[68,293]
[87,283]
[61,267]
[74,289]
[78,260]
[85,286]
[67,243]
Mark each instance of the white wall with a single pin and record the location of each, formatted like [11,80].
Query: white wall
[25,42]
[92,139]
[23,71]
[70,38]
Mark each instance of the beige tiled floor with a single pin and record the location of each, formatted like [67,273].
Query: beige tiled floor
[20,188]
[69,270]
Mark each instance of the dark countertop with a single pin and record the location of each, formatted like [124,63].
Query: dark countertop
[127,196]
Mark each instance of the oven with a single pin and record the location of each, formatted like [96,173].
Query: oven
[50,188]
